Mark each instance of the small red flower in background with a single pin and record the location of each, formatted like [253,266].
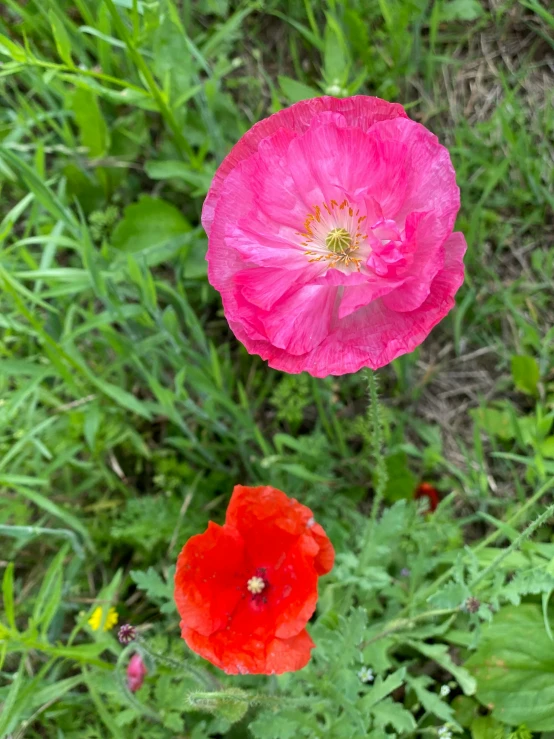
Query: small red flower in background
[136,672]
[425,490]
[246,590]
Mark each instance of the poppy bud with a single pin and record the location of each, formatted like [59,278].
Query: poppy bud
[136,672]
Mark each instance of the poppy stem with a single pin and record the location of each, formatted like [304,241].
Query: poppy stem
[202,677]
[381,472]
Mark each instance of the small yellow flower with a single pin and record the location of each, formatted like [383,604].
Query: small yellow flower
[96,619]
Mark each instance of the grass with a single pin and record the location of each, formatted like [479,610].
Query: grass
[127,409]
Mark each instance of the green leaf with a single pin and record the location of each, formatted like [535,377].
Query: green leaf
[461,10]
[157,590]
[15,52]
[150,222]
[401,480]
[485,727]
[63,44]
[526,374]
[390,713]
[439,653]
[514,667]
[431,702]
[295,91]
[382,688]
[93,130]
[526,582]
[7,592]
[452,595]
[335,56]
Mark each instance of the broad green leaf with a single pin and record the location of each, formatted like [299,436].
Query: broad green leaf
[90,121]
[526,374]
[150,222]
[514,667]
[485,727]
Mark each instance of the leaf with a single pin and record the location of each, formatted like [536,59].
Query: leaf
[63,44]
[7,593]
[495,422]
[461,10]
[485,727]
[155,588]
[390,713]
[93,130]
[173,168]
[150,222]
[439,653]
[335,57]
[295,91]
[401,480]
[15,52]
[431,702]
[526,582]
[452,595]
[526,374]
[514,667]
[382,688]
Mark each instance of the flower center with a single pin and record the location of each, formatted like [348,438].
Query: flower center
[338,240]
[333,233]
[255,585]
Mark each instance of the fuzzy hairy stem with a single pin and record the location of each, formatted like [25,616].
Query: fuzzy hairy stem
[517,542]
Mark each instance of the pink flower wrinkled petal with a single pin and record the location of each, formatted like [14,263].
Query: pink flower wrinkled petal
[330,236]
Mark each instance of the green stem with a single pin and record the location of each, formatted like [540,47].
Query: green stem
[402,624]
[202,677]
[381,473]
[517,542]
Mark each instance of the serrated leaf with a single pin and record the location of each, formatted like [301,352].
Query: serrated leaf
[382,688]
[452,595]
[534,581]
[151,582]
[431,702]
[439,653]
[390,713]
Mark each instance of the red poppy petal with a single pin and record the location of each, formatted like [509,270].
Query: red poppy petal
[252,656]
[210,578]
[250,505]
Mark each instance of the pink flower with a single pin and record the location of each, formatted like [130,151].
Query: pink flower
[330,235]
[136,672]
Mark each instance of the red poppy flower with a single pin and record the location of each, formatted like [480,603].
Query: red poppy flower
[425,490]
[246,590]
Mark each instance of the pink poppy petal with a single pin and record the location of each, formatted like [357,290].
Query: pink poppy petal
[360,110]
[301,322]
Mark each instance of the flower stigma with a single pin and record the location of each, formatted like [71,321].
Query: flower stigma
[255,585]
